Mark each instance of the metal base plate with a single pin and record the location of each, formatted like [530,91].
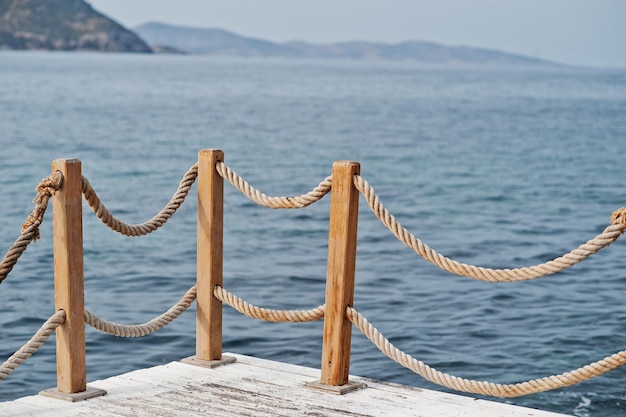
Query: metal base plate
[91,392]
[192,360]
[339,390]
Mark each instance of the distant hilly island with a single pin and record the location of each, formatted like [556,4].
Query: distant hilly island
[73,25]
[64,25]
[165,37]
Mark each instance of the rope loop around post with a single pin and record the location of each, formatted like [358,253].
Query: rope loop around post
[618,217]
[45,190]
[48,186]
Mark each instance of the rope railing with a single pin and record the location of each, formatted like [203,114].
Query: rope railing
[144,329]
[30,232]
[30,229]
[267,314]
[338,312]
[534,386]
[105,326]
[608,236]
[32,346]
[584,373]
[181,193]
[149,226]
[261,199]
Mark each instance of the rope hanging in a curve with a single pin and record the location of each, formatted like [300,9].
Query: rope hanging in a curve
[483,387]
[138,330]
[149,226]
[265,313]
[608,236]
[32,346]
[261,199]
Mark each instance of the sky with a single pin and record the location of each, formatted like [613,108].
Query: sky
[578,32]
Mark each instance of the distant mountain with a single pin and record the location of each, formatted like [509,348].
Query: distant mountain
[209,41]
[67,25]
[221,42]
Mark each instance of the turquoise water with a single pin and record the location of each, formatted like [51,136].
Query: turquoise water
[498,167]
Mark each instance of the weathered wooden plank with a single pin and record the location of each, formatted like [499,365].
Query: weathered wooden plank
[255,387]
[17,408]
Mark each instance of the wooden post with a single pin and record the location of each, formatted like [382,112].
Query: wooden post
[68,277]
[67,223]
[344,209]
[209,262]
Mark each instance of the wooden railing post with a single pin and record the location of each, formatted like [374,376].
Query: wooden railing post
[342,234]
[67,221]
[209,262]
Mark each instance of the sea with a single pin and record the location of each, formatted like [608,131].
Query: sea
[499,167]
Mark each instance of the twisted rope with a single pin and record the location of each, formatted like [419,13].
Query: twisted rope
[608,236]
[137,330]
[33,345]
[30,229]
[265,313]
[149,226]
[261,199]
[482,387]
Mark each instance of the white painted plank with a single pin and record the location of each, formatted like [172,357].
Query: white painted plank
[255,387]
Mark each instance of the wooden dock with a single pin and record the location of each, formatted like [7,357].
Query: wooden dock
[255,387]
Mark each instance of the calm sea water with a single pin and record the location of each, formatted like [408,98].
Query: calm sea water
[499,167]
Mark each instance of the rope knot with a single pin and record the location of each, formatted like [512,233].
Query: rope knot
[619,216]
[46,189]
[48,186]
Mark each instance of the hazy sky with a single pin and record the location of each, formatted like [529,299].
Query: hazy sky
[584,32]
